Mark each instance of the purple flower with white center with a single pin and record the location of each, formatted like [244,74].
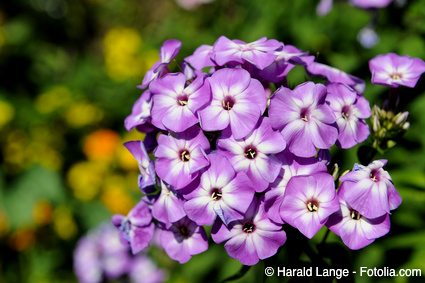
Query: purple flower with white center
[179,159]
[143,270]
[254,153]
[350,110]
[136,228]
[355,230]
[284,63]
[252,239]
[394,70]
[306,121]
[183,239]
[175,104]
[237,100]
[141,113]
[168,207]
[291,166]
[308,202]
[146,168]
[334,75]
[201,58]
[370,190]
[370,4]
[259,53]
[169,50]
[221,193]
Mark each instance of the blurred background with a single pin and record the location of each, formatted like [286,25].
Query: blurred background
[68,76]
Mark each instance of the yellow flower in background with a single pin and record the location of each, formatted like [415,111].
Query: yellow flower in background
[42,212]
[63,223]
[116,196]
[82,114]
[85,179]
[39,147]
[6,110]
[101,145]
[121,47]
[56,98]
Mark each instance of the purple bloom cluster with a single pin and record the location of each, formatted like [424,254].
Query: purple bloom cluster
[234,147]
[101,255]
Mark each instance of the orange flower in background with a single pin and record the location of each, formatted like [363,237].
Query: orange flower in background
[22,239]
[101,145]
[42,212]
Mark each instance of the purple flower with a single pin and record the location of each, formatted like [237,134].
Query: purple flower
[179,158]
[369,4]
[335,75]
[370,190]
[291,166]
[284,63]
[136,228]
[101,254]
[141,114]
[183,239]
[221,193]
[168,207]
[192,4]
[201,58]
[253,154]
[308,202]
[355,230]
[237,100]
[259,53]
[350,110]
[324,7]
[175,104]
[393,70]
[143,270]
[368,37]
[169,50]
[146,168]
[251,239]
[306,121]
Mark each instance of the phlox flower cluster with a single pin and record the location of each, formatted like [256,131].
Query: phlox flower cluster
[101,255]
[229,145]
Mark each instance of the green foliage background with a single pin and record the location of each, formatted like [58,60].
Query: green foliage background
[61,46]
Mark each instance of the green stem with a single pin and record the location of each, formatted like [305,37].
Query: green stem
[244,269]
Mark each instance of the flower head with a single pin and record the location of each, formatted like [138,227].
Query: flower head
[306,121]
[237,100]
[394,70]
[136,228]
[259,53]
[308,202]
[175,104]
[350,110]
[251,239]
[291,166]
[355,230]
[144,270]
[254,153]
[370,190]
[183,239]
[147,171]
[221,193]
[179,158]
